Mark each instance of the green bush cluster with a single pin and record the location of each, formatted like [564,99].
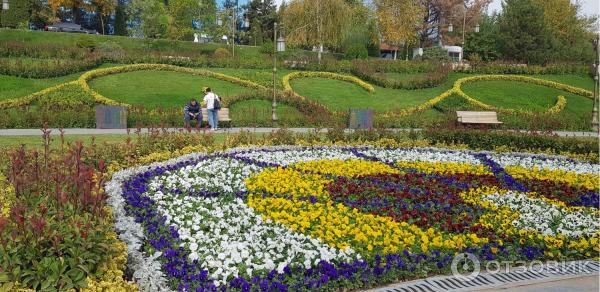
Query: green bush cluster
[357,51]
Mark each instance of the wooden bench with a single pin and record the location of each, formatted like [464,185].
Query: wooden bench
[222,115]
[466,117]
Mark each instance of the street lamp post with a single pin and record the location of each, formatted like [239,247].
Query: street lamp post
[596,83]
[274,105]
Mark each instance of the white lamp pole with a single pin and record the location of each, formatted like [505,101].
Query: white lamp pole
[596,84]
[274,105]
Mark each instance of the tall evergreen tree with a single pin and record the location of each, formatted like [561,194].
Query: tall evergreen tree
[483,43]
[120,20]
[262,13]
[523,34]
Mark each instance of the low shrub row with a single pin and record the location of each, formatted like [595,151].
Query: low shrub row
[475,139]
[496,67]
[429,79]
[45,68]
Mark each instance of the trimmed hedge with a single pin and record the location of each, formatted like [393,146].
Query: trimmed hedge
[523,69]
[489,140]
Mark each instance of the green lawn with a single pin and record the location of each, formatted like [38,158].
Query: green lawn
[14,87]
[523,96]
[583,81]
[340,95]
[160,88]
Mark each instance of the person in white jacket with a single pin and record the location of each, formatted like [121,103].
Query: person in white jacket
[209,99]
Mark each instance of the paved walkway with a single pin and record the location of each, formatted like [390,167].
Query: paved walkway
[83,131]
[578,284]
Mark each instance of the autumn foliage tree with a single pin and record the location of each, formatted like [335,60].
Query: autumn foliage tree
[104,8]
[74,5]
[398,20]
[316,23]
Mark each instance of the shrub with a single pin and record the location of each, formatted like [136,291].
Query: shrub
[267,48]
[222,53]
[435,54]
[523,141]
[111,50]
[357,51]
[69,97]
[86,42]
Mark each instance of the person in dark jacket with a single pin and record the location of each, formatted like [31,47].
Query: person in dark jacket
[192,111]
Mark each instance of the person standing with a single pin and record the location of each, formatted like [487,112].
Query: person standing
[192,111]
[213,105]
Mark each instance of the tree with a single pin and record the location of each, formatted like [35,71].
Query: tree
[483,43]
[104,8]
[316,23]
[440,13]
[262,13]
[398,20]
[41,14]
[120,20]
[150,16]
[364,31]
[74,5]
[572,31]
[180,14]
[523,34]
[17,15]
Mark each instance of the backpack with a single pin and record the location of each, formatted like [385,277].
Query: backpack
[216,103]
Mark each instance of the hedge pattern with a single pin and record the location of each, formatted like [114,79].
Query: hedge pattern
[457,89]
[299,74]
[83,80]
[292,98]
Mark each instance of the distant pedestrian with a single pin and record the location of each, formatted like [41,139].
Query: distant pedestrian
[192,111]
[213,105]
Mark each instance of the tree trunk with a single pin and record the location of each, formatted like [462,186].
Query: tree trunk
[320,52]
[102,23]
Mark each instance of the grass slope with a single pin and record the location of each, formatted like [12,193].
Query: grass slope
[70,39]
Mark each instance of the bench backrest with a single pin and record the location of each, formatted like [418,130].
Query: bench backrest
[477,117]
[222,114]
[466,114]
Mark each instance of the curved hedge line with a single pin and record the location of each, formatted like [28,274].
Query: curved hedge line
[526,79]
[82,81]
[456,89]
[288,87]
[26,100]
[559,106]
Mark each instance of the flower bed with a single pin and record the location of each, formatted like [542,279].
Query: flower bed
[293,218]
